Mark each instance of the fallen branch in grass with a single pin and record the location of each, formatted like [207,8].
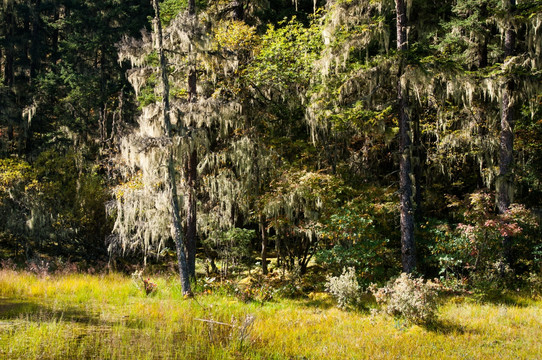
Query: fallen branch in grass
[216,322]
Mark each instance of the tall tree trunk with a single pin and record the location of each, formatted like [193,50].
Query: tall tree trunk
[22,97]
[191,174]
[417,160]
[408,255]
[264,244]
[505,181]
[177,232]
[192,77]
[103,121]
[9,52]
[191,7]
[481,51]
[8,63]
[55,35]
[34,47]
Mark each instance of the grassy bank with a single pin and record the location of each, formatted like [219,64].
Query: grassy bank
[109,317]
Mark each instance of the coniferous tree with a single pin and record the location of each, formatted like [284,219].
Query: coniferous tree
[191,172]
[171,182]
[506,154]
[366,81]
[482,75]
[201,119]
[408,254]
[63,83]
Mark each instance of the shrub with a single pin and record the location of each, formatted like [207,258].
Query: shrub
[474,246]
[534,281]
[38,266]
[8,264]
[352,235]
[344,288]
[255,288]
[261,293]
[496,276]
[289,290]
[149,286]
[408,297]
[233,247]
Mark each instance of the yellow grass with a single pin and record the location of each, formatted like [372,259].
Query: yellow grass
[109,317]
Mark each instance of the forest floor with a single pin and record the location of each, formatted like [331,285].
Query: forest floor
[78,316]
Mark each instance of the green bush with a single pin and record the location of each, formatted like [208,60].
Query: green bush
[233,248]
[350,238]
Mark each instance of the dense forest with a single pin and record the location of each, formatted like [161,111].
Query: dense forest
[274,136]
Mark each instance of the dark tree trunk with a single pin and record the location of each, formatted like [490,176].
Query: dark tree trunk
[55,36]
[192,77]
[417,159]
[8,62]
[263,232]
[482,46]
[505,180]
[35,45]
[190,176]
[408,255]
[22,51]
[191,7]
[177,232]
[482,53]
[192,80]
[26,44]
[8,65]
[238,10]
[10,132]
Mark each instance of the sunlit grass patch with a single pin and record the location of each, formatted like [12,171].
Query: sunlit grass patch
[110,317]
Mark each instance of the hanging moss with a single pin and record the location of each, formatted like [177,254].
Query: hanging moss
[226,172]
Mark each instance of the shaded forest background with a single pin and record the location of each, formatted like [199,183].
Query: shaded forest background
[289,145]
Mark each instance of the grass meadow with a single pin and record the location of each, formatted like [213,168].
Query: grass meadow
[79,316]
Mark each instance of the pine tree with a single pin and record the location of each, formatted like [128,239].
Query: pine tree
[366,79]
[408,254]
[203,117]
[481,76]
[506,154]
[171,173]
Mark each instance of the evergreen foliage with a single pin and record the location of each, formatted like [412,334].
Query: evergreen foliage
[301,130]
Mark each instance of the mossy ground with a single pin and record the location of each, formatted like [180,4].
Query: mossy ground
[79,316]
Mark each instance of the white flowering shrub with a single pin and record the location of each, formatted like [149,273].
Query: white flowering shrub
[408,297]
[344,288]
